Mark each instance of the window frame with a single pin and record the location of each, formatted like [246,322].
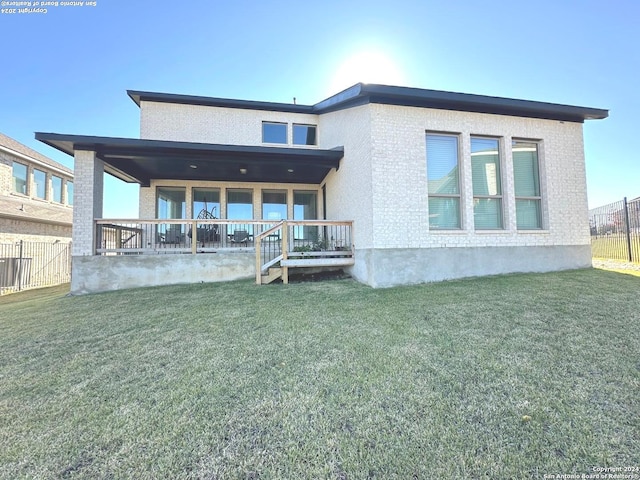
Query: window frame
[14,185]
[286,132]
[458,195]
[56,198]
[69,195]
[35,184]
[534,198]
[307,125]
[499,178]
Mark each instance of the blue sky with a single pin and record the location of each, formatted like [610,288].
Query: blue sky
[67,71]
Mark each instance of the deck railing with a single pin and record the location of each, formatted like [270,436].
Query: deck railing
[302,239]
[159,236]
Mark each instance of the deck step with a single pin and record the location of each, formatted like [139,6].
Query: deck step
[274,273]
[317,262]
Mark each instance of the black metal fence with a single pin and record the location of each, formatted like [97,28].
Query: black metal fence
[615,230]
[26,265]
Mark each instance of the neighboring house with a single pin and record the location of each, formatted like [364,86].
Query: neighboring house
[36,196]
[405,186]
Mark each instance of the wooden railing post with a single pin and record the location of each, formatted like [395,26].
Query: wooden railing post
[285,251]
[194,237]
[258,245]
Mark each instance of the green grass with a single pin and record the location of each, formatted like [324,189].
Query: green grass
[323,380]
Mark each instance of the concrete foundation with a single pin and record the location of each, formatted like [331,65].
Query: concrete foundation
[391,267]
[91,274]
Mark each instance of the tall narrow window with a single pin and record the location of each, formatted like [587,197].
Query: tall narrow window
[274,132]
[240,207]
[56,187]
[487,188]
[274,205]
[171,205]
[69,192]
[526,177]
[304,134]
[305,207]
[19,178]
[40,181]
[443,181]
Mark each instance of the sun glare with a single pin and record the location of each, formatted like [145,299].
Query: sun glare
[366,67]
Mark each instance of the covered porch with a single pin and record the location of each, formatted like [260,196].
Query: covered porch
[207,212]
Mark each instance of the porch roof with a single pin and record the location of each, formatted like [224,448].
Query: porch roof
[139,161]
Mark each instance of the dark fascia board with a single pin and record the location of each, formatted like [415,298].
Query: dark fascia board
[478,103]
[68,143]
[140,96]
[361,94]
[109,148]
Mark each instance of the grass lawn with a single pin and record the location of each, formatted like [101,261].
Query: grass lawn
[504,377]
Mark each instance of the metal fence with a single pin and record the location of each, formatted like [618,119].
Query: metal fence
[26,265]
[615,230]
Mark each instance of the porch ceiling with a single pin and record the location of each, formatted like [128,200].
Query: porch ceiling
[140,161]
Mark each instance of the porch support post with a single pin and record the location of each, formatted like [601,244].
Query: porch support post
[87,201]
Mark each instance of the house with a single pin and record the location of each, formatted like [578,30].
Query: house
[36,195]
[397,185]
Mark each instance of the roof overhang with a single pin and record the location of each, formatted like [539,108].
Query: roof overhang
[363,93]
[140,161]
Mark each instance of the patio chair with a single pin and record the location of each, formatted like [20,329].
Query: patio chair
[240,236]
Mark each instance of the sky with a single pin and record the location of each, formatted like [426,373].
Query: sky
[67,70]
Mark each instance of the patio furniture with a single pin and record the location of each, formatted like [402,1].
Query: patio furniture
[240,236]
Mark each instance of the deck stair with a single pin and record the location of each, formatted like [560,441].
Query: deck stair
[282,257]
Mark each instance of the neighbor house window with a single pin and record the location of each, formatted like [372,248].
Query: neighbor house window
[526,177]
[487,188]
[19,178]
[69,193]
[304,134]
[40,181]
[274,132]
[56,186]
[443,181]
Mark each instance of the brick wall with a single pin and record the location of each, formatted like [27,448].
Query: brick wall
[218,125]
[89,172]
[399,179]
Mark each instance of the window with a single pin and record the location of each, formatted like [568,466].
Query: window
[304,208]
[171,202]
[69,192]
[19,178]
[304,134]
[274,205]
[526,179]
[40,181]
[206,202]
[56,186]
[171,205]
[274,132]
[240,204]
[443,183]
[487,188]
